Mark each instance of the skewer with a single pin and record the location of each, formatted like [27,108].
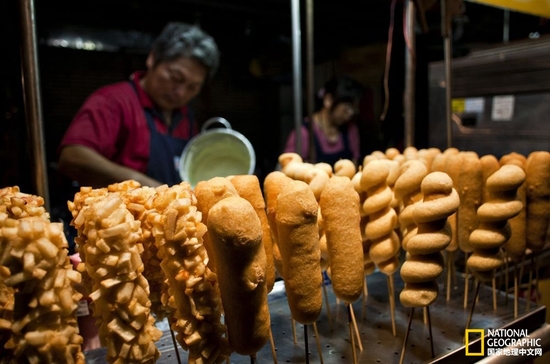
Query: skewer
[536,280]
[425,315]
[450,265]
[252,359]
[294,331]
[319,349]
[406,337]
[506,280]
[466,280]
[530,292]
[352,339]
[516,291]
[272,342]
[355,327]
[494,284]
[176,349]
[391,295]
[427,309]
[327,303]
[306,344]
[473,305]
[365,295]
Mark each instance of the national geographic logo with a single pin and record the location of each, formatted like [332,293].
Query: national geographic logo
[503,342]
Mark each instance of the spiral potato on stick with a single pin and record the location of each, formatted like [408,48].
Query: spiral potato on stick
[516,247]
[493,215]
[407,190]
[381,218]
[424,262]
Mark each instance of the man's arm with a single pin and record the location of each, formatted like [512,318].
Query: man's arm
[90,168]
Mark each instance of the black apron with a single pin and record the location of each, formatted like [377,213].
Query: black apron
[164,149]
[329,158]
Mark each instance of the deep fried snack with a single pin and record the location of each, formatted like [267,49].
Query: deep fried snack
[120,292]
[44,327]
[298,233]
[494,231]
[236,234]
[424,262]
[339,205]
[193,294]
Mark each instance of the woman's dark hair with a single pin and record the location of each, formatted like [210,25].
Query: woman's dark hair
[184,40]
[343,89]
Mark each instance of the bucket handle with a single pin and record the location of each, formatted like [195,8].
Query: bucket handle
[216,119]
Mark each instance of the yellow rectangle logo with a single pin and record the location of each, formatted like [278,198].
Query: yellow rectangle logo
[481,332]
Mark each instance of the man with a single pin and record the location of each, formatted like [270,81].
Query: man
[137,129]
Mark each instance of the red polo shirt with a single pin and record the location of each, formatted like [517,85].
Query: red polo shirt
[112,122]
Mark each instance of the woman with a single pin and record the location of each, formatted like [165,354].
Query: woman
[335,136]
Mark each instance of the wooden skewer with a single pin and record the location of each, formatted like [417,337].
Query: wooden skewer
[272,342]
[494,284]
[427,308]
[425,314]
[529,291]
[176,348]
[351,336]
[506,281]
[365,295]
[450,265]
[319,349]
[391,296]
[327,303]
[473,305]
[466,280]
[406,337]
[252,359]
[294,331]
[536,280]
[516,291]
[355,327]
[306,344]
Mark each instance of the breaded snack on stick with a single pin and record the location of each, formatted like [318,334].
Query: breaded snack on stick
[340,210]
[208,193]
[537,181]
[248,187]
[236,234]
[273,184]
[298,240]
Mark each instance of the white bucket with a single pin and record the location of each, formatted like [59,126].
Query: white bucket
[218,152]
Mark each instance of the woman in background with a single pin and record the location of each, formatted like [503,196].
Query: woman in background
[334,134]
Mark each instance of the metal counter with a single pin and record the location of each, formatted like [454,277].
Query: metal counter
[448,322]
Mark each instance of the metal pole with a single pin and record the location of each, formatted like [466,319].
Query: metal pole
[410,67]
[297,72]
[33,106]
[447,44]
[310,76]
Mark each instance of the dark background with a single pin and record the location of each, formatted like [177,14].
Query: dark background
[253,87]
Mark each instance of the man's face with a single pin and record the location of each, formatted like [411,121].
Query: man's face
[173,84]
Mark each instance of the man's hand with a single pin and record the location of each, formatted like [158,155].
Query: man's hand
[90,168]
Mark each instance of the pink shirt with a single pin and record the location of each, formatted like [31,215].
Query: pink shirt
[112,122]
[327,146]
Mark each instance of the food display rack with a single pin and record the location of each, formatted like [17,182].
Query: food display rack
[448,323]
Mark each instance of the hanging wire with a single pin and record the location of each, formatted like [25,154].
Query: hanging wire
[388,61]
